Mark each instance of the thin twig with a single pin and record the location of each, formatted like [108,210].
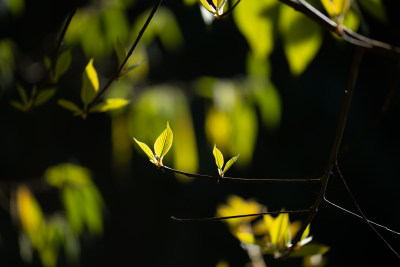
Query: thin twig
[238,216]
[131,50]
[230,9]
[243,180]
[362,213]
[360,217]
[342,31]
[47,78]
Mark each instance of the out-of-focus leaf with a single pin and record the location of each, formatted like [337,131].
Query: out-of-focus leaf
[44,96]
[18,105]
[267,98]
[115,20]
[310,249]
[219,158]
[90,83]
[351,20]
[222,264]
[109,104]
[375,8]
[16,7]
[120,51]
[147,151]
[63,63]
[337,9]
[92,211]
[255,23]
[236,205]
[73,204]
[163,143]
[22,94]
[68,105]
[279,229]
[230,163]
[47,62]
[314,261]
[246,238]
[302,38]
[67,174]
[31,216]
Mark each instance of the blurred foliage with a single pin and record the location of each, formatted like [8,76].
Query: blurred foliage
[46,234]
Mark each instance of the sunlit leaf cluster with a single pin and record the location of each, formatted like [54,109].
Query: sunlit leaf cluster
[272,234]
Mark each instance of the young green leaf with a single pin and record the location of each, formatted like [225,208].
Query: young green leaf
[147,150]
[163,143]
[109,104]
[219,159]
[90,83]
[68,105]
[63,63]
[120,51]
[214,6]
[229,164]
[47,62]
[18,105]
[22,94]
[309,250]
[44,96]
[279,228]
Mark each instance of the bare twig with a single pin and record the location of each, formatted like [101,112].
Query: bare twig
[362,213]
[244,180]
[238,216]
[121,67]
[360,217]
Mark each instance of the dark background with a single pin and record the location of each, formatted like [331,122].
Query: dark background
[138,230]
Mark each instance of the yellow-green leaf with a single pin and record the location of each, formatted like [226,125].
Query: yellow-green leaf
[219,158]
[22,94]
[90,83]
[110,104]
[63,63]
[120,51]
[336,8]
[279,228]
[302,38]
[47,62]
[256,26]
[68,105]
[229,164]
[146,150]
[44,96]
[18,105]
[209,5]
[163,143]
[309,250]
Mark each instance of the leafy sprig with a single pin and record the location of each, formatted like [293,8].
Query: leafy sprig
[219,160]
[161,146]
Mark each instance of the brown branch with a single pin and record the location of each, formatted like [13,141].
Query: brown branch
[342,31]
[131,50]
[335,147]
[238,216]
[243,180]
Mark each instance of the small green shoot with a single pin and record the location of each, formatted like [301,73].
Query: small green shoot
[219,160]
[161,147]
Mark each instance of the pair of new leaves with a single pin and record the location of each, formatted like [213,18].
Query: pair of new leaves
[164,142]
